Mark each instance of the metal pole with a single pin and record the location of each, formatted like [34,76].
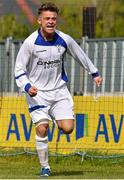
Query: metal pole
[6,68]
[12,67]
[85,73]
[95,61]
[113,66]
[122,69]
[104,65]
[72,76]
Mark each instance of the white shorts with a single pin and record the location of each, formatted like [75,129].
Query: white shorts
[51,105]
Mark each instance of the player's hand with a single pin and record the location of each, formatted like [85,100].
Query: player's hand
[98,80]
[32,91]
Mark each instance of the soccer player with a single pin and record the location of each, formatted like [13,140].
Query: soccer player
[39,71]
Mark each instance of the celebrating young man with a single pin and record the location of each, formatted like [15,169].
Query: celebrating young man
[39,71]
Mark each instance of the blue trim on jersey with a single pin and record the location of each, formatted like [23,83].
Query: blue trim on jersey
[36,107]
[27,87]
[20,75]
[94,75]
[57,40]
[64,76]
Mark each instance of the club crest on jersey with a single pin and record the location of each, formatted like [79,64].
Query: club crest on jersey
[58,48]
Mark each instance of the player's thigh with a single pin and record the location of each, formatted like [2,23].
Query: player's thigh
[64,115]
[39,107]
[62,109]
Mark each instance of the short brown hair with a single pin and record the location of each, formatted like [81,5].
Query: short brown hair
[48,7]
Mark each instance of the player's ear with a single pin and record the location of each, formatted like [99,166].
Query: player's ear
[39,20]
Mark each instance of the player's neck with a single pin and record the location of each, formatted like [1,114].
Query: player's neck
[47,36]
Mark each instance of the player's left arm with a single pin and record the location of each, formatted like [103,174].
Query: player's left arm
[77,52]
[98,80]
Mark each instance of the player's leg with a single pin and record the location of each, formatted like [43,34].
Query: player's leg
[38,108]
[42,146]
[42,143]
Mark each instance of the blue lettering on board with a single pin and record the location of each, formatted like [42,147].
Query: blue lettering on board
[79,126]
[81,120]
[102,122]
[27,132]
[114,129]
[15,130]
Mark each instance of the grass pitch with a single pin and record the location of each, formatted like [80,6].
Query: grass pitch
[71,167]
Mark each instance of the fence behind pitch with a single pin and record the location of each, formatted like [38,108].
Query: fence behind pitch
[98,111]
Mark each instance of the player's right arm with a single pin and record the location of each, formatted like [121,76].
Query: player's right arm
[21,73]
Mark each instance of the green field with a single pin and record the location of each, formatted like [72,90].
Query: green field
[70,167]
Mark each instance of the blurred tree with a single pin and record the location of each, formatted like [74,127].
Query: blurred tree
[70,20]
[110,15]
[10,26]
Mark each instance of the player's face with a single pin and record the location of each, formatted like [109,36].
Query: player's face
[48,21]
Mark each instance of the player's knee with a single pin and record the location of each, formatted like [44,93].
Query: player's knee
[67,126]
[42,129]
[68,130]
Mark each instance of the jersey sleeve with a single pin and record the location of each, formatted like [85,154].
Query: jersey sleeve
[22,60]
[79,55]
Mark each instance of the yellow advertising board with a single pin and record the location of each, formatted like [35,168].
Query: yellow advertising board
[98,125]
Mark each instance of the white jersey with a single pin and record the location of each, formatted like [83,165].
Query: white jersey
[40,63]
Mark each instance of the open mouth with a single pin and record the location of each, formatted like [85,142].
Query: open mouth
[50,27]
